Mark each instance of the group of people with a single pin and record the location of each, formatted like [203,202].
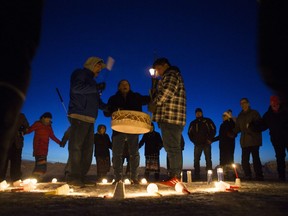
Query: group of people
[250,125]
[85,100]
[43,132]
[167,103]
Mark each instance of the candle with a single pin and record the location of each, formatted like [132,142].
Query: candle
[234,166]
[209,176]
[220,174]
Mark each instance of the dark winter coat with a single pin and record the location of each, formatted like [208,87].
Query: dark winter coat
[249,137]
[153,143]
[84,96]
[102,144]
[201,131]
[41,138]
[133,101]
[277,123]
[226,136]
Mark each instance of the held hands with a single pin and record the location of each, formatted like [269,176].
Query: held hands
[209,142]
[62,144]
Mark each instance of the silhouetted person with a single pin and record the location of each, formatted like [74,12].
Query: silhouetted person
[20,35]
[273,45]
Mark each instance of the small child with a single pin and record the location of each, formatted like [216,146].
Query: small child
[43,131]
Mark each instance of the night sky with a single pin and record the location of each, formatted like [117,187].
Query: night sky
[214,43]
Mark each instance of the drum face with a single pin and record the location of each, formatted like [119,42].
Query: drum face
[131,122]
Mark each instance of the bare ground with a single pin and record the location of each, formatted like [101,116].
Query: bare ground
[253,198]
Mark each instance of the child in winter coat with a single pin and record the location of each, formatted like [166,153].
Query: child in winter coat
[43,131]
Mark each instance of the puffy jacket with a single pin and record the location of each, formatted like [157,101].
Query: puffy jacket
[84,96]
[133,101]
[201,131]
[41,138]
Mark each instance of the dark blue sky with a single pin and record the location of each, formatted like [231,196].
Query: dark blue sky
[214,43]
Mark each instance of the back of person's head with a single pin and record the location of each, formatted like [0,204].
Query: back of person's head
[161,61]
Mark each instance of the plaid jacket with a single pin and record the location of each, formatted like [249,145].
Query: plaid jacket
[170,98]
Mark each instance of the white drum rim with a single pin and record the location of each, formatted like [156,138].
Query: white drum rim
[131,126]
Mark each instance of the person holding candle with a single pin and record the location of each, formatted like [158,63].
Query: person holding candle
[169,111]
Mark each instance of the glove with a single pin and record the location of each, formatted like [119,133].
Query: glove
[62,144]
[152,107]
[101,86]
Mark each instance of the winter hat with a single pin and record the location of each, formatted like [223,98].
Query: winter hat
[198,110]
[274,100]
[227,114]
[92,61]
[46,115]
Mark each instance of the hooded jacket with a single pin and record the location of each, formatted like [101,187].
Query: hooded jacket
[84,96]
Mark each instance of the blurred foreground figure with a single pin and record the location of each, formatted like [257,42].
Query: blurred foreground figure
[20,24]
[273,45]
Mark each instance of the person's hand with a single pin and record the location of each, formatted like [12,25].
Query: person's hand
[152,107]
[62,144]
[101,86]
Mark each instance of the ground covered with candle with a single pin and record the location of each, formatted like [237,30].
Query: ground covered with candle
[267,197]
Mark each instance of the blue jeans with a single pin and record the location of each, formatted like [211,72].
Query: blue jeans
[118,142]
[171,136]
[80,148]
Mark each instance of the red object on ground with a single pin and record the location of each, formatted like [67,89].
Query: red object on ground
[171,182]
